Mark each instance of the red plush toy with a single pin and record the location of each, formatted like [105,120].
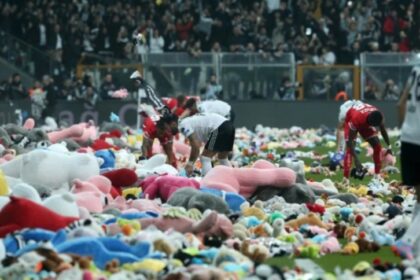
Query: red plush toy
[121,178]
[22,213]
[316,208]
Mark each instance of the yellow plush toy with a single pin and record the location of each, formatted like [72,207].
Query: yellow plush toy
[131,193]
[4,187]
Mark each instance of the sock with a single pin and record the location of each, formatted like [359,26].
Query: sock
[205,165]
[225,162]
[412,233]
[377,158]
[347,163]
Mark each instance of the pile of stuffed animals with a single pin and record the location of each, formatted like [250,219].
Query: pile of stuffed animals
[78,203]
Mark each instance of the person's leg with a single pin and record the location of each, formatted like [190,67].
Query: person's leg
[348,158]
[223,158]
[205,160]
[377,148]
[410,160]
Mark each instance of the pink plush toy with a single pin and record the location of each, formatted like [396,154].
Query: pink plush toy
[387,159]
[94,202]
[180,149]
[102,183]
[29,124]
[212,224]
[145,205]
[7,157]
[121,93]
[245,180]
[72,131]
[164,186]
[331,245]
[89,132]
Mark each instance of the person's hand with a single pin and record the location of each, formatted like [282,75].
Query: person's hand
[189,169]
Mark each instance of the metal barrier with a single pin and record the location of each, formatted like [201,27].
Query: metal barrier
[383,75]
[336,82]
[242,76]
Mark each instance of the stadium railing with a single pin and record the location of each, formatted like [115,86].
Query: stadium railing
[383,75]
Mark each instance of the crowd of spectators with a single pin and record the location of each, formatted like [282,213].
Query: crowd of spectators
[316,31]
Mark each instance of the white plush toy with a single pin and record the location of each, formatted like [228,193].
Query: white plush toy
[49,171]
[155,165]
[63,204]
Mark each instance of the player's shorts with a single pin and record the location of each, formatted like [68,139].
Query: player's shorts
[366,133]
[222,139]
[410,162]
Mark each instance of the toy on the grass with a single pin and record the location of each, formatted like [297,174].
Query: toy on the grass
[190,198]
[336,160]
[164,186]
[155,165]
[367,246]
[256,252]
[255,211]
[35,216]
[361,191]
[108,158]
[132,193]
[62,169]
[358,173]
[351,248]
[310,219]
[233,200]
[331,245]
[246,181]
[240,231]
[378,236]
[311,251]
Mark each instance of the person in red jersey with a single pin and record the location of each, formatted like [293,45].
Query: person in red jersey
[364,119]
[175,104]
[153,129]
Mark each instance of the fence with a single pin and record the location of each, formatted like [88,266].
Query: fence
[380,76]
[383,75]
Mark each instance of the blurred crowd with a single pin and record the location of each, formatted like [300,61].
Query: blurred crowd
[321,32]
[316,31]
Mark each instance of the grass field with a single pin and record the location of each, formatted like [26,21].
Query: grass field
[331,261]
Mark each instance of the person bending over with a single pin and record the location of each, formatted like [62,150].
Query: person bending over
[215,131]
[364,119]
[153,129]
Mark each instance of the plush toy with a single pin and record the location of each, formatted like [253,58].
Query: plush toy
[311,251]
[257,253]
[366,246]
[4,187]
[255,211]
[210,224]
[310,219]
[26,191]
[131,193]
[108,158]
[331,245]
[351,248]
[71,132]
[121,178]
[35,216]
[104,249]
[164,186]
[240,231]
[233,200]
[296,193]
[191,198]
[155,165]
[246,181]
[62,204]
[379,237]
[62,169]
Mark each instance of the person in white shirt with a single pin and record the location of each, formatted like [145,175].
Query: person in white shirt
[344,108]
[215,131]
[219,107]
[409,116]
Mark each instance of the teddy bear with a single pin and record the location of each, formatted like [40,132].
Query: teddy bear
[310,219]
[256,252]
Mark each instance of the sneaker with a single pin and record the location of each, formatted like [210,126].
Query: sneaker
[403,250]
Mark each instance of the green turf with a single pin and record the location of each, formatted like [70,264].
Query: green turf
[331,261]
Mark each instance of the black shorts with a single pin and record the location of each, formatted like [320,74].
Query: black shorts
[410,164]
[221,139]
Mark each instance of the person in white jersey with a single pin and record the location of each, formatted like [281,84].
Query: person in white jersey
[215,131]
[344,108]
[192,106]
[409,117]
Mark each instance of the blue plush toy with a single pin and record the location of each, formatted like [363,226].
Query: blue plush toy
[336,159]
[108,156]
[233,200]
[105,249]
[345,213]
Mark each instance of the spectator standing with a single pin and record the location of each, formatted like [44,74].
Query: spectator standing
[214,90]
[15,88]
[157,43]
[51,96]
[107,87]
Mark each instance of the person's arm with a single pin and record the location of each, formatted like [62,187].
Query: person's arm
[168,149]
[146,147]
[351,145]
[385,136]
[340,127]
[402,103]
[185,114]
